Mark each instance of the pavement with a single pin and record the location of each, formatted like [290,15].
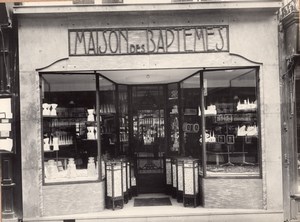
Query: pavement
[174,213]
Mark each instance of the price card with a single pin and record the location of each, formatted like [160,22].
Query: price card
[5,108]
[5,126]
[6,144]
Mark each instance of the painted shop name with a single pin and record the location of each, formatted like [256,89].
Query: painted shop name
[122,41]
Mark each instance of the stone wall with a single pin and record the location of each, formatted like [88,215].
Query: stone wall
[233,193]
[73,198]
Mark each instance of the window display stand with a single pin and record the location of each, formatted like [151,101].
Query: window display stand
[244,157]
[228,157]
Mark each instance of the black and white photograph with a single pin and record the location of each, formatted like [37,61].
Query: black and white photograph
[149,110]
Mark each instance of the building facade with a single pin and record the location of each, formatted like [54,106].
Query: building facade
[289,74]
[11,195]
[149,83]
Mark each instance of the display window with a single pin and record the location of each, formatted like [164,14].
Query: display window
[231,122]
[69,129]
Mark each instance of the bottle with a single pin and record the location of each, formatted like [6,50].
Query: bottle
[71,168]
[91,168]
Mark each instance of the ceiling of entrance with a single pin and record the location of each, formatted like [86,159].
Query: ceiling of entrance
[161,76]
[148,76]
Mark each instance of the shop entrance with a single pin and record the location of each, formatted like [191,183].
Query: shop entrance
[96,115]
[149,144]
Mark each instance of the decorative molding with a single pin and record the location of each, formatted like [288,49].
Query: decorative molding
[243,57]
[53,63]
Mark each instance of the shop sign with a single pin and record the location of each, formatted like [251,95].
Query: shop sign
[164,40]
[289,8]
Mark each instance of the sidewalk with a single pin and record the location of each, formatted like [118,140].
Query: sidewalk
[174,213]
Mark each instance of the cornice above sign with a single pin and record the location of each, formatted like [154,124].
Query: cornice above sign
[158,40]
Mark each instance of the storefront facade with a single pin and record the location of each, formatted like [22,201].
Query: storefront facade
[150,72]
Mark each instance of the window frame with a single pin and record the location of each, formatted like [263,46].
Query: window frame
[100,177]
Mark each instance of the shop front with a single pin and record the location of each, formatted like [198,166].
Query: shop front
[290,92]
[177,102]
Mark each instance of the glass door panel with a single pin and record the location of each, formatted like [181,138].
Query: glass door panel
[108,118]
[123,119]
[149,136]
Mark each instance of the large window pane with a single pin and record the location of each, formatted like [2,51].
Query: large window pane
[108,118]
[191,121]
[69,127]
[173,111]
[231,134]
[123,119]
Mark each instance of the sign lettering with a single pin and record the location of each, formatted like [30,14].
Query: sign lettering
[125,41]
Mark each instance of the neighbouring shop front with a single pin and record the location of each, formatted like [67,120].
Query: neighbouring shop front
[10,156]
[290,48]
[188,107]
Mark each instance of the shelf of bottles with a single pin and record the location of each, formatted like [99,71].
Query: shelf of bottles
[151,125]
[63,128]
[62,125]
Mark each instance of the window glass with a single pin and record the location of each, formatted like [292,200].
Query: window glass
[173,111]
[191,121]
[149,142]
[123,119]
[231,135]
[69,127]
[148,118]
[108,118]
